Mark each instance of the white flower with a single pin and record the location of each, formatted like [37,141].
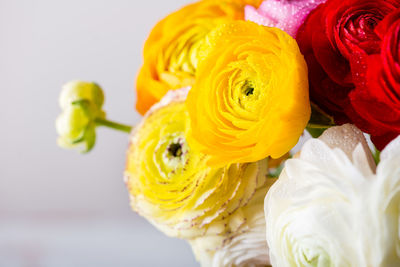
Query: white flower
[329,208]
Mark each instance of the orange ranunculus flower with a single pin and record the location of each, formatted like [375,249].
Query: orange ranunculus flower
[250,99]
[171,51]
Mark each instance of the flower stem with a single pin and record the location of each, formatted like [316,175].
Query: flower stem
[114,125]
[318,126]
[316,130]
[377,156]
[319,121]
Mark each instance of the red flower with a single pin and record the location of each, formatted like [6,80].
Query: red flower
[377,95]
[331,39]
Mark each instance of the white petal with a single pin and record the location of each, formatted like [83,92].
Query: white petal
[392,149]
[328,208]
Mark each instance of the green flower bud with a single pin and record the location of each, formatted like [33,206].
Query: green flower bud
[81,104]
[79,90]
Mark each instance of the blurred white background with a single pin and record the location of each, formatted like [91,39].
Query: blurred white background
[59,208]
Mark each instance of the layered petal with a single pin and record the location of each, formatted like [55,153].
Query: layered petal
[170,183]
[250,98]
[331,209]
[331,39]
[378,84]
[244,245]
[171,52]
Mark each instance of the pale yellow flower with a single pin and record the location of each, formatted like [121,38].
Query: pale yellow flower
[170,183]
[244,244]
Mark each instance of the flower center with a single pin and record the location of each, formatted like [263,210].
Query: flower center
[370,22]
[247,88]
[175,150]
[249,91]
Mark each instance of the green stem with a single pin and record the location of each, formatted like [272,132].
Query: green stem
[318,126]
[114,125]
[319,121]
[377,156]
[316,130]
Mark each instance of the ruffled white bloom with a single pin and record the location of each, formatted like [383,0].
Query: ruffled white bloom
[245,244]
[329,208]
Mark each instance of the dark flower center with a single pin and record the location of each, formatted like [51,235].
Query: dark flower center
[249,91]
[175,150]
[247,88]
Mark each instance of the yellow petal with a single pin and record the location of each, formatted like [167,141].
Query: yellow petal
[250,98]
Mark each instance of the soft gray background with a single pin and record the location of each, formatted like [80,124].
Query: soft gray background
[59,208]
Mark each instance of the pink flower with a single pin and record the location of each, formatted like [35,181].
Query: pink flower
[287,15]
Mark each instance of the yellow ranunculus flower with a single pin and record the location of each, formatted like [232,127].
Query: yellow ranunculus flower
[171,51]
[250,99]
[170,183]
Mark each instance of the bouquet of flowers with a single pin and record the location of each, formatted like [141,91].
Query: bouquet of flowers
[226,90]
